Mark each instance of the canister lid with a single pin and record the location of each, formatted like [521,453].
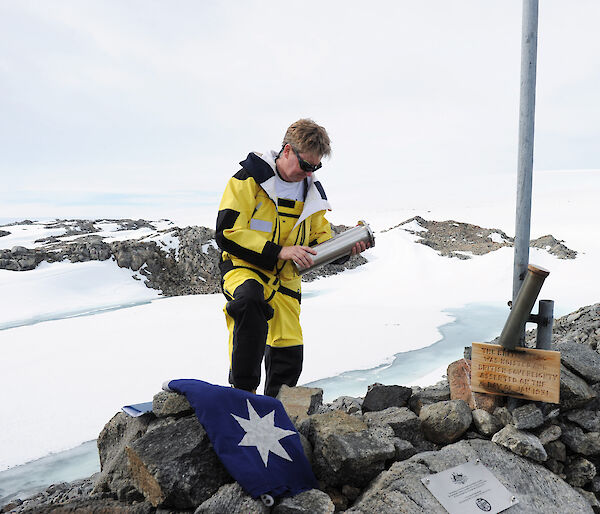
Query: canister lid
[371,234]
[538,270]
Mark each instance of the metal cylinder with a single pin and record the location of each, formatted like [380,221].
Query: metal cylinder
[521,307]
[545,321]
[339,246]
[526,135]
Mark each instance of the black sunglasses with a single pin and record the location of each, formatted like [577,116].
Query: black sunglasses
[306,166]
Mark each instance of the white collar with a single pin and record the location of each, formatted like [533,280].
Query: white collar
[313,202]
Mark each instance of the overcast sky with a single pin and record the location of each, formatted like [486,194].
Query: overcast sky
[121,96]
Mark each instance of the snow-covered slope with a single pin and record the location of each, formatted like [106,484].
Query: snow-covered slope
[63,379]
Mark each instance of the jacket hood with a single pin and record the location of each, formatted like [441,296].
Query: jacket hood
[258,168]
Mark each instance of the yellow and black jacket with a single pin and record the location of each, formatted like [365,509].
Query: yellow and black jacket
[253,224]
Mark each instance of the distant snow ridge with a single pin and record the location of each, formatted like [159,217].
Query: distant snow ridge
[463,240]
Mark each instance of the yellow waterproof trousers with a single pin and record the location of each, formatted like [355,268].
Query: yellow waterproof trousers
[262,320]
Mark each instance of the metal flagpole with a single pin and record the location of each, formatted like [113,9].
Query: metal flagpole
[526,131]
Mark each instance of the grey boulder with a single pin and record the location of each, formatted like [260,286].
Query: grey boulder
[348,404]
[579,472]
[400,489]
[404,422]
[581,359]
[574,391]
[578,441]
[232,499]
[556,450]
[432,394]
[521,443]
[170,404]
[527,416]
[308,502]
[174,465]
[486,424]
[346,451]
[300,402]
[445,422]
[120,431]
[548,434]
[587,419]
[380,397]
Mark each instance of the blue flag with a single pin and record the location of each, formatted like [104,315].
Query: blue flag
[252,436]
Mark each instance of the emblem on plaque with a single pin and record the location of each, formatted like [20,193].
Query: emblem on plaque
[459,478]
[483,504]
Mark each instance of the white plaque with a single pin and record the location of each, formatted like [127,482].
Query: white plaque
[470,488]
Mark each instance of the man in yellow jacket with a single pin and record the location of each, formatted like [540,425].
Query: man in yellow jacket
[271,214]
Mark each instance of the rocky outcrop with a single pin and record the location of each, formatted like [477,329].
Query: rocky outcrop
[176,261]
[366,460]
[462,240]
[19,258]
[553,246]
[183,261]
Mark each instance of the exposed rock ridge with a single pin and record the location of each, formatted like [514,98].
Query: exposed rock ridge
[176,261]
[456,239]
[182,261]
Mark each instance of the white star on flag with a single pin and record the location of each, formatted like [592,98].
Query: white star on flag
[262,433]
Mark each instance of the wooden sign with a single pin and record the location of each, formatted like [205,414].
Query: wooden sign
[521,373]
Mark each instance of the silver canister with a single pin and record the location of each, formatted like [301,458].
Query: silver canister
[339,246]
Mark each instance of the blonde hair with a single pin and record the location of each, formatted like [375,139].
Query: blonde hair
[307,137]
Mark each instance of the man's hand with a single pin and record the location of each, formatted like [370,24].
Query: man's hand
[359,247]
[301,255]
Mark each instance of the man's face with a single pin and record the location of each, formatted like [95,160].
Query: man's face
[288,164]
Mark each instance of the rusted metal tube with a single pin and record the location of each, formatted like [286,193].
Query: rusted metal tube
[339,246]
[521,307]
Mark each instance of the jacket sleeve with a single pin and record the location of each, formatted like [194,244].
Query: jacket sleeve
[320,229]
[233,234]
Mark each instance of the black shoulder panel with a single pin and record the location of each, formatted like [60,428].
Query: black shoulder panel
[258,169]
[242,175]
[321,190]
